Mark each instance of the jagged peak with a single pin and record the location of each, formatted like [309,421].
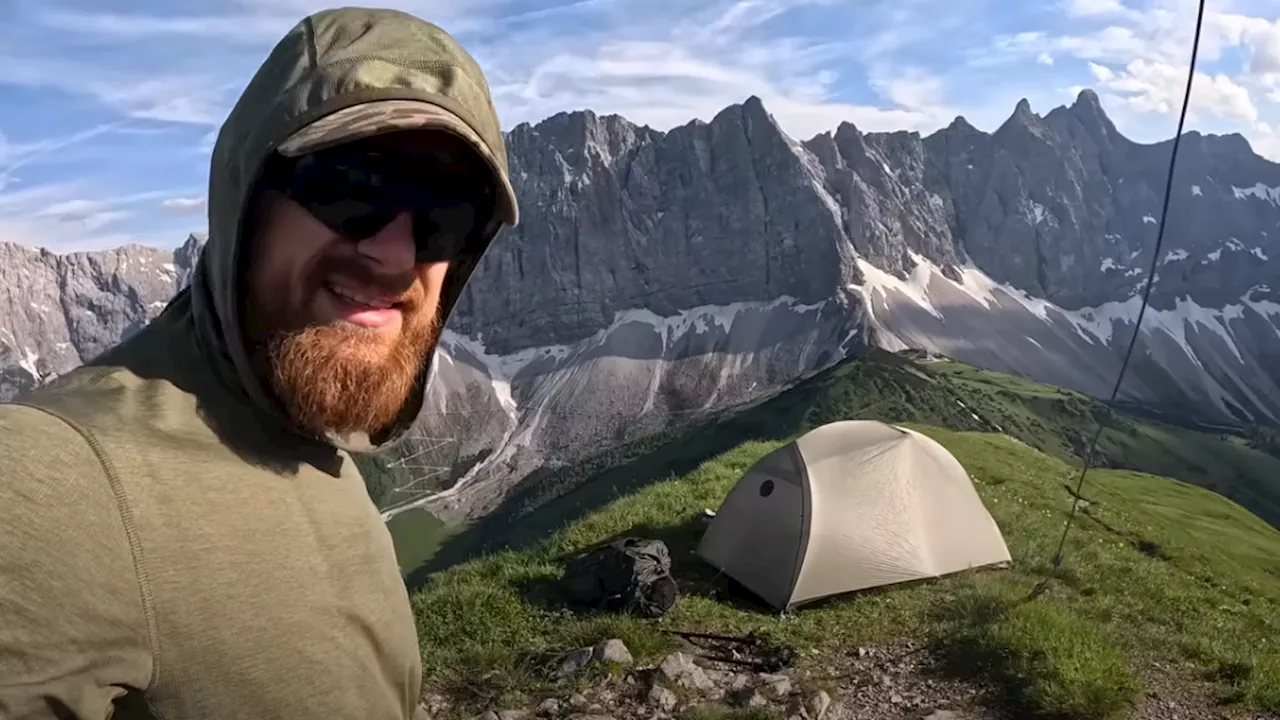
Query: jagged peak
[846,127]
[1087,108]
[753,110]
[1087,99]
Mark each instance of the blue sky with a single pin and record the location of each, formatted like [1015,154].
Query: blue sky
[108,107]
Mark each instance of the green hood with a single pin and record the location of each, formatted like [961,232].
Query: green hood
[329,61]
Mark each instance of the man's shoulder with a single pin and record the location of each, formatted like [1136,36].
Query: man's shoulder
[85,392]
[107,401]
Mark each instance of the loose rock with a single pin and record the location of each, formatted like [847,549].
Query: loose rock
[680,669]
[775,686]
[818,705]
[573,663]
[549,707]
[749,697]
[663,698]
[613,651]
[796,709]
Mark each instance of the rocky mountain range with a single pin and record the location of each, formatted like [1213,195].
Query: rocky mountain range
[658,275]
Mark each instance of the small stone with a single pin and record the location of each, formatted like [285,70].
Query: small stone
[549,707]
[613,651]
[896,699]
[663,698]
[578,700]
[680,669]
[513,714]
[818,705]
[573,663]
[738,683]
[942,715]
[748,697]
[775,686]
[487,715]
[720,677]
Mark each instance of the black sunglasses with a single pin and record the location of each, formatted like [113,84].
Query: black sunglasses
[357,193]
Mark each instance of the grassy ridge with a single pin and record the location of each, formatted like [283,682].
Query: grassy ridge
[1157,571]
[883,386]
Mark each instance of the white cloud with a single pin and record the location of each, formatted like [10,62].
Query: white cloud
[196,98]
[184,204]
[1157,87]
[880,64]
[1093,8]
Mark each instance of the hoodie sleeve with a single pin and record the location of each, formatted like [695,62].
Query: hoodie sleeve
[73,625]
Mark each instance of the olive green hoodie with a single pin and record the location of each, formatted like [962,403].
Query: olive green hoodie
[170,546]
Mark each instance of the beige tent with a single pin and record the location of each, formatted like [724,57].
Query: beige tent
[847,506]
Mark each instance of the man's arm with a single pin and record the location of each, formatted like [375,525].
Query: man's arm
[73,627]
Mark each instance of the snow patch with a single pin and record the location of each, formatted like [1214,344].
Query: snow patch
[1258,252]
[28,362]
[1095,325]
[1173,255]
[1035,212]
[1195,190]
[502,370]
[1148,219]
[878,282]
[1260,191]
[1109,264]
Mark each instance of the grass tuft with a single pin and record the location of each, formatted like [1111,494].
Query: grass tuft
[1048,663]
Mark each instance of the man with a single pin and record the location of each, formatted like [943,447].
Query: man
[182,532]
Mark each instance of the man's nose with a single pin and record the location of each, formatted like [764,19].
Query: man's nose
[392,248]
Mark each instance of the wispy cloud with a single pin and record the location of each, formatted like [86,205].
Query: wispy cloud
[108,100]
[185,204]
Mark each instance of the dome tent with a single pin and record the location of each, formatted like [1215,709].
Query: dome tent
[848,506]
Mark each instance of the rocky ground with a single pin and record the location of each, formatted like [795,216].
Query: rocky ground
[898,681]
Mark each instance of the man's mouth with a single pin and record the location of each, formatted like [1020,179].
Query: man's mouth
[365,309]
[356,297]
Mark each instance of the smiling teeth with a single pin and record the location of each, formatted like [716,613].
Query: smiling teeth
[361,299]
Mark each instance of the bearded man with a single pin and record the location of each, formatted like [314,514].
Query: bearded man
[183,533]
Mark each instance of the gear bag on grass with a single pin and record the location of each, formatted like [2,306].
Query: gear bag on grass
[630,575]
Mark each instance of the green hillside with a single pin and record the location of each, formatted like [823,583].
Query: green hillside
[1159,574]
[1162,579]
[882,386]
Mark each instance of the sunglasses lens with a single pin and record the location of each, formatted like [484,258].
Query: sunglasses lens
[358,194]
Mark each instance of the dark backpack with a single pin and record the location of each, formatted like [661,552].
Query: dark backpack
[630,575]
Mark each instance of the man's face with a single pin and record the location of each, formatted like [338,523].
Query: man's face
[343,326]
